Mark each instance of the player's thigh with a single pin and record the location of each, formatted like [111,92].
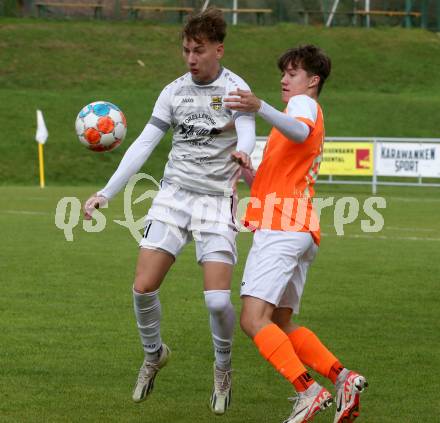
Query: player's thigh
[160,245]
[217,275]
[214,230]
[217,254]
[163,236]
[294,290]
[271,262]
[151,268]
[216,246]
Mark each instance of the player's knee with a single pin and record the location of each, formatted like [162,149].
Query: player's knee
[140,288]
[218,301]
[144,284]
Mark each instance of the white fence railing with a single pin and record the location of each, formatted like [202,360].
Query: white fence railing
[378,160]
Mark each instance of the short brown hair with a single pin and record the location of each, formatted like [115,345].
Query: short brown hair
[309,57]
[209,24]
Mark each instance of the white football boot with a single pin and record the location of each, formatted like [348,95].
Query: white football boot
[349,386]
[147,374]
[222,390]
[309,403]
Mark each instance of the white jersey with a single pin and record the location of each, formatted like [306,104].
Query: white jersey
[204,132]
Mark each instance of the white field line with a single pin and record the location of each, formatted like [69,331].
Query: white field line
[396,228]
[27,212]
[414,200]
[356,236]
[382,237]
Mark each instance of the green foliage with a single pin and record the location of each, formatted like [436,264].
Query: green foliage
[384,83]
[9,8]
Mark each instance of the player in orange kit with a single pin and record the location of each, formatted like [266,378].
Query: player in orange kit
[287,236]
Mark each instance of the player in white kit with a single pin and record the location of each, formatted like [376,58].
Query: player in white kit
[196,198]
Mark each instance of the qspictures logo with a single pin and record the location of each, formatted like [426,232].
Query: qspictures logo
[346,210]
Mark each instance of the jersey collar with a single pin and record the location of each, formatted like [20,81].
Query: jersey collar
[209,82]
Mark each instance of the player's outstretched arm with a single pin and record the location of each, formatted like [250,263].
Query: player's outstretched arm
[246,101]
[245,127]
[292,128]
[136,155]
[138,152]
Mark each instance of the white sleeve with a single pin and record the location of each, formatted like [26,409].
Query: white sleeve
[245,127]
[304,108]
[162,112]
[136,155]
[293,129]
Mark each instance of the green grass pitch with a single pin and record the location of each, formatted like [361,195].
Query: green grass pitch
[70,350]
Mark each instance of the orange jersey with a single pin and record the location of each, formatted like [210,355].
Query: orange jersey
[282,190]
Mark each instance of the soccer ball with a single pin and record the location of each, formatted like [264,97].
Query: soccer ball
[101,126]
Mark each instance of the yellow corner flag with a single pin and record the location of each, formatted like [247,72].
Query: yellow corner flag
[41,138]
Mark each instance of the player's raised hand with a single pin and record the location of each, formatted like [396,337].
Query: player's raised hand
[243,101]
[94,202]
[242,159]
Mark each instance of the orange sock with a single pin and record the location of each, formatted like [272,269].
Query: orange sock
[303,382]
[334,371]
[275,346]
[314,354]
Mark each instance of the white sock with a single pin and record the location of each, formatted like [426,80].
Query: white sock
[222,320]
[147,310]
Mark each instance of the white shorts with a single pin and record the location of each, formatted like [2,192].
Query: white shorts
[177,216]
[276,267]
